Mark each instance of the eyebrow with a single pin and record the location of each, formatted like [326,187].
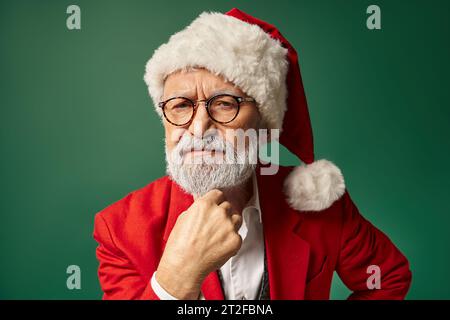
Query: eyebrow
[188,93]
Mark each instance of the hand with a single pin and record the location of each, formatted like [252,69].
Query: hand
[204,237]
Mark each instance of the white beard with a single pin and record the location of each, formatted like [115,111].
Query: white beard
[199,176]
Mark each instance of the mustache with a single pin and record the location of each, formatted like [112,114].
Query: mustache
[211,142]
[225,152]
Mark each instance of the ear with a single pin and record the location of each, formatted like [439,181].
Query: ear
[314,187]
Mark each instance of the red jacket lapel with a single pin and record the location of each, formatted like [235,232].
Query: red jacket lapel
[287,253]
[211,287]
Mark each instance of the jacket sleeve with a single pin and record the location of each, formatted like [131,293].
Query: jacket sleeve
[362,245]
[119,279]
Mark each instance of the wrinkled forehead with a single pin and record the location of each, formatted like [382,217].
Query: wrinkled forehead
[189,82]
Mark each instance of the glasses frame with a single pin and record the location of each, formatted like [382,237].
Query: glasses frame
[195,104]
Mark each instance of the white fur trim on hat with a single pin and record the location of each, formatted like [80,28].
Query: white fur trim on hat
[240,52]
[314,187]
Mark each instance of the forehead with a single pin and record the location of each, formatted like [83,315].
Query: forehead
[191,81]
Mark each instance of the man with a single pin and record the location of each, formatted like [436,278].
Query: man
[225,229]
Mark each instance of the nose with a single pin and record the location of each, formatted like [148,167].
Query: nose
[201,121]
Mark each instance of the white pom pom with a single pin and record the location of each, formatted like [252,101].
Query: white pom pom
[314,187]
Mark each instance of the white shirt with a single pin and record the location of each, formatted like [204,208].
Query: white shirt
[242,274]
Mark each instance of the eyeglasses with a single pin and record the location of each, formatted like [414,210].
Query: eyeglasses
[222,108]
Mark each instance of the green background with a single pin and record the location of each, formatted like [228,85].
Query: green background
[78,130]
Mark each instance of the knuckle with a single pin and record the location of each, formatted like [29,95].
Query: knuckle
[236,242]
[236,239]
[226,205]
[212,193]
[236,220]
[230,228]
[203,203]
[222,212]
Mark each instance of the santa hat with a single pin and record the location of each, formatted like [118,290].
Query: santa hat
[254,56]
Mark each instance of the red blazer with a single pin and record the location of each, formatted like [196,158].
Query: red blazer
[303,248]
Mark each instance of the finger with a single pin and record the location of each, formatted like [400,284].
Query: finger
[215,196]
[227,206]
[236,219]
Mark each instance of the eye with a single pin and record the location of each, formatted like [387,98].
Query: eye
[182,105]
[224,104]
[179,105]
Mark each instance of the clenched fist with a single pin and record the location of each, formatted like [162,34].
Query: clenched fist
[204,237]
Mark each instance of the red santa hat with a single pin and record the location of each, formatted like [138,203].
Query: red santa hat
[254,56]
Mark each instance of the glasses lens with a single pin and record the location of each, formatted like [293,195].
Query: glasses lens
[179,111]
[223,108]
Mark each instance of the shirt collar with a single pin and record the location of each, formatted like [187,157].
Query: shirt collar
[254,200]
